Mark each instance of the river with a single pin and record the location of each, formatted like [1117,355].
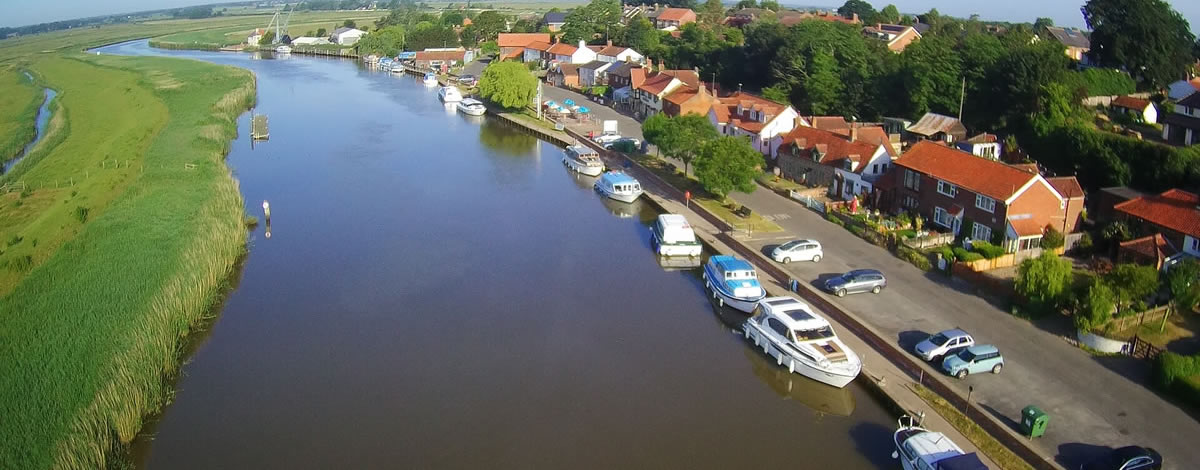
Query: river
[43,118]
[439,292]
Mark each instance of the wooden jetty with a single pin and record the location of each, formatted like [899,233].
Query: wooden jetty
[258,127]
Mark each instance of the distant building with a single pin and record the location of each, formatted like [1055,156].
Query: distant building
[437,58]
[933,126]
[1175,214]
[791,17]
[255,37]
[674,18]
[347,36]
[1141,109]
[1182,127]
[512,45]
[1074,39]
[746,115]
[896,36]
[983,145]
[309,41]
[554,21]
[1183,89]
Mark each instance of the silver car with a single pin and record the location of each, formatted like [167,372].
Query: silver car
[797,250]
[858,280]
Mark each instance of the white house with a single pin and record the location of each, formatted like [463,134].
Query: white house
[1141,109]
[571,54]
[255,37]
[650,94]
[744,114]
[309,41]
[592,73]
[857,174]
[983,145]
[611,53]
[347,36]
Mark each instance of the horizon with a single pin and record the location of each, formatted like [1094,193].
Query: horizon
[33,12]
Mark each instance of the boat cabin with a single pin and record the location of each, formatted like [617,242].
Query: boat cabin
[794,321]
[928,450]
[674,228]
[621,183]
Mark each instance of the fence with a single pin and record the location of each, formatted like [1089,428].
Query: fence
[1149,316]
[809,201]
[1107,100]
[929,241]
[1141,349]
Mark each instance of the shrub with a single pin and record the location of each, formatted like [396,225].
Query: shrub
[947,253]
[903,220]
[856,230]
[1052,239]
[1171,368]
[1083,245]
[1097,308]
[988,250]
[971,257]
[1044,279]
[918,259]
[835,219]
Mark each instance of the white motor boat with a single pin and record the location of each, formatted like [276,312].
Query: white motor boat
[673,236]
[800,340]
[449,94]
[921,449]
[582,159]
[472,107]
[618,186]
[284,49]
[430,80]
[733,281]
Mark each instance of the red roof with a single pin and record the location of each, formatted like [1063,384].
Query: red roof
[682,95]
[657,83]
[1067,186]
[1174,209]
[1154,247]
[1129,102]
[637,77]
[676,14]
[538,46]
[1028,167]
[612,51]
[829,123]
[1028,227]
[875,135]
[562,49]
[727,112]
[441,55]
[520,39]
[980,175]
[834,147]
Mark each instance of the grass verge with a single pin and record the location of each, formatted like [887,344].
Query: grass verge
[90,334]
[755,223]
[19,103]
[990,447]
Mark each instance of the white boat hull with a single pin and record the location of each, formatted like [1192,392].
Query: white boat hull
[580,167]
[473,111]
[785,360]
[430,82]
[677,250]
[623,197]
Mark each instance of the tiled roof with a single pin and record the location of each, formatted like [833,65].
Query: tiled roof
[594,65]
[1027,167]
[1028,227]
[555,17]
[441,55]
[1192,100]
[676,14]
[657,83]
[688,77]
[1067,186]
[748,103]
[1152,246]
[623,69]
[538,46]
[877,136]
[829,123]
[637,77]
[1174,209]
[520,39]
[612,51]
[980,175]
[515,53]
[567,69]
[682,95]
[1181,120]
[1070,37]
[835,147]
[932,123]
[1129,102]
[562,49]
[983,138]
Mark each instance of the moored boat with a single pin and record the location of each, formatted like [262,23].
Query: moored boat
[472,107]
[921,449]
[582,159]
[673,236]
[618,186]
[449,94]
[734,282]
[284,49]
[802,341]
[430,80]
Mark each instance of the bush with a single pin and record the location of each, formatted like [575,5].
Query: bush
[1097,308]
[918,259]
[966,256]
[1083,245]
[835,219]
[1052,239]
[1175,373]
[947,253]
[988,250]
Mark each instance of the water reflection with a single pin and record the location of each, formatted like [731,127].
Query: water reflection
[500,139]
[818,396]
[679,263]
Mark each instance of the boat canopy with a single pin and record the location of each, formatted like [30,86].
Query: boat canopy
[727,263]
[581,150]
[962,462]
[619,178]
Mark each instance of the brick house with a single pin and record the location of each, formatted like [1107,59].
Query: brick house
[512,45]
[689,100]
[747,115]
[674,18]
[649,95]
[897,36]
[1174,213]
[819,157]
[954,190]
[563,75]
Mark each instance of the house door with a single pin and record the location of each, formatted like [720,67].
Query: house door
[955,224]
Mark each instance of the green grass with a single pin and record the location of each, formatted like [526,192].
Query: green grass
[19,102]
[779,184]
[990,447]
[91,331]
[675,177]
[299,25]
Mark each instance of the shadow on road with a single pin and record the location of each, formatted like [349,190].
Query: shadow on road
[819,282]
[909,339]
[1074,454]
[866,437]
[1003,418]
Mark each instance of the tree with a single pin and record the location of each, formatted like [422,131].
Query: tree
[642,36]
[681,137]
[508,84]
[1043,280]
[889,14]
[452,18]
[488,25]
[746,4]
[600,17]
[1132,283]
[1040,24]
[387,42]
[863,9]
[1052,239]
[823,88]
[489,48]
[712,12]
[321,32]
[1146,37]
[525,25]
[931,75]
[1097,309]
[1183,280]
[426,35]
[349,24]
[770,5]
[727,164]
[267,38]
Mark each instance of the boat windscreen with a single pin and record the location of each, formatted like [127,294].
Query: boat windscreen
[824,332]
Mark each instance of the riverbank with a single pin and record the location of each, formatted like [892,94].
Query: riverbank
[129,228]
[19,102]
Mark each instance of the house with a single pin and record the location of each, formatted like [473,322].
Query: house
[1182,127]
[1102,202]
[554,21]
[1074,40]
[512,45]
[592,73]
[992,201]
[1174,214]
[439,58]
[791,17]
[309,41]
[1142,110]
[611,53]
[1182,89]
[846,163]
[760,119]
[983,145]
[1153,250]
[346,36]
[856,175]
[620,75]
[255,37]
[744,16]
[648,96]
[536,52]
[897,36]
[563,74]
[674,18]
[689,100]
[567,53]
[933,126]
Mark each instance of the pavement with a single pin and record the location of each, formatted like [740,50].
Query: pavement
[1094,403]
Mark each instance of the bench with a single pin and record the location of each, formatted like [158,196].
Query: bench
[743,212]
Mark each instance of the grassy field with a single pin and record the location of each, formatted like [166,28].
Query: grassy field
[299,25]
[115,267]
[19,102]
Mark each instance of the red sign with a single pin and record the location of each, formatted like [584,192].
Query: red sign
[687,195]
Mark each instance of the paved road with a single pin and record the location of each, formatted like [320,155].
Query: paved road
[1093,402]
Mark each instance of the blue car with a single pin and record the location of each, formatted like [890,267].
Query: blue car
[974,360]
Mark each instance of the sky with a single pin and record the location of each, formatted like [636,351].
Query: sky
[1063,12]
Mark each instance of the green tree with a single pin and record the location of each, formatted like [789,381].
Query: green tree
[489,48]
[348,24]
[452,18]
[426,35]
[1146,37]
[600,17]
[682,137]
[931,74]
[1040,24]
[508,84]
[1044,279]
[1097,308]
[643,37]
[388,42]
[654,128]
[770,5]
[889,14]
[746,4]
[727,164]
[1183,280]
[823,87]
[321,32]
[525,25]
[712,12]
[1132,283]
[267,38]
[488,25]
[863,9]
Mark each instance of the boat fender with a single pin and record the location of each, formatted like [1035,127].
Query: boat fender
[794,285]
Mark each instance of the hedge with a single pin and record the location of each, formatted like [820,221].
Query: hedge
[918,259]
[966,256]
[1177,374]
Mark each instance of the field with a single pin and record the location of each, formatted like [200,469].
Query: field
[130,225]
[299,25]
[19,102]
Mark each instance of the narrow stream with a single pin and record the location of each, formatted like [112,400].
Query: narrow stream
[43,118]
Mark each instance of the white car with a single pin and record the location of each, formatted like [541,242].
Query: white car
[605,139]
[944,344]
[797,250]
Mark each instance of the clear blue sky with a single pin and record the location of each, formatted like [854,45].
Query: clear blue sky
[1064,12]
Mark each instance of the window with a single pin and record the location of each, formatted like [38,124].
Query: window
[910,202]
[875,168]
[989,151]
[981,232]
[985,203]
[947,188]
[1194,243]
[778,327]
[912,180]
[941,217]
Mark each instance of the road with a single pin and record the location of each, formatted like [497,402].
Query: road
[1093,402]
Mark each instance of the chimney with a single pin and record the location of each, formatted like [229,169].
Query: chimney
[609,43]
[853,133]
[582,45]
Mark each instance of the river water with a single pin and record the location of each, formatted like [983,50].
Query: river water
[439,292]
[43,118]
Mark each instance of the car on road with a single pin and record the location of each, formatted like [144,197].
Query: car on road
[1127,458]
[468,80]
[797,250]
[858,280]
[606,139]
[944,343]
[974,360]
[632,140]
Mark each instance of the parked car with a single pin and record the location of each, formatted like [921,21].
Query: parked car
[605,139]
[974,360]
[1127,458]
[636,143]
[468,80]
[944,343]
[797,250]
[858,280]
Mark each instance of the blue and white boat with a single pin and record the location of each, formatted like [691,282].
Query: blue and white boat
[385,64]
[734,282]
[618,186]
[430,80]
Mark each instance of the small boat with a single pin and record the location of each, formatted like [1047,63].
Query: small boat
[449,94]
[430,80]
[284,49]
[734,282]
[672,235]
[800,340]
[582,159]
[618,186]
[396,67]
[921,449]
[472,107]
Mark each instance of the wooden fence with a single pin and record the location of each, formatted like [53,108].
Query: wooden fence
[1142,349]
